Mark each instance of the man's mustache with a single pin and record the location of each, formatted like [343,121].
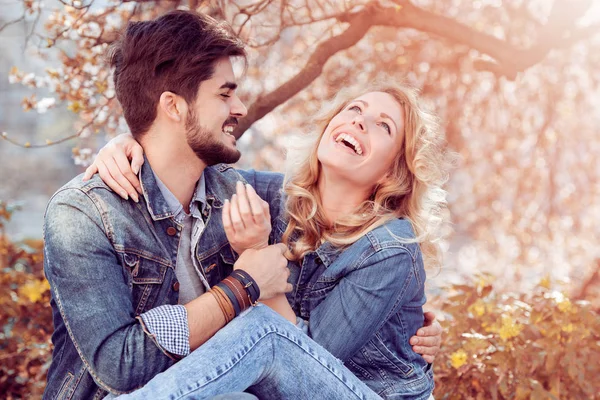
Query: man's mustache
[231,121]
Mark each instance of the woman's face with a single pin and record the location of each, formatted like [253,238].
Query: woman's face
[361,142]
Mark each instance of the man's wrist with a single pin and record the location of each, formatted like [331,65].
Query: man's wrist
[248,283]
[236,293]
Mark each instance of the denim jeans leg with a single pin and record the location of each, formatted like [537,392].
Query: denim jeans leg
[264,353]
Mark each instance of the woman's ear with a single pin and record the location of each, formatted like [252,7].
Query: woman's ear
[173,107]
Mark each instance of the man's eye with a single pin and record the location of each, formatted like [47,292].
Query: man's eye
[355,108]
[386,127]
[225,95]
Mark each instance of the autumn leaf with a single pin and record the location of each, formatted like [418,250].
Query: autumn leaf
[34,290]
[458,358]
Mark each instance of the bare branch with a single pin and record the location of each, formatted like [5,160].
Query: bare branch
[49,143]
[14,21]
[359,25]
[509,61]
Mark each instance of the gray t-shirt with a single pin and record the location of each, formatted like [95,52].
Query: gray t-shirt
[192,282]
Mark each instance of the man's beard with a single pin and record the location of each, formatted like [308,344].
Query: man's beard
[207,148]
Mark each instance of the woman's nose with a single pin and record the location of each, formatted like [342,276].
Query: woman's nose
[359,122]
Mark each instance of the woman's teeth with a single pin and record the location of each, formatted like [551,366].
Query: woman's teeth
[351,141]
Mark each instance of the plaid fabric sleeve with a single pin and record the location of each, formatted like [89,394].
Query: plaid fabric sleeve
[168,324]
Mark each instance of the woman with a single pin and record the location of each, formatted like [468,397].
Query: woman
[361,212]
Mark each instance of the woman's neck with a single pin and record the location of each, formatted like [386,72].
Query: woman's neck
[339,197]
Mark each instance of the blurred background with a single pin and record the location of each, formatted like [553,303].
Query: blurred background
[515,84]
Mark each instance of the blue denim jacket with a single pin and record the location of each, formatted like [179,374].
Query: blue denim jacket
[364,303]
[109,260]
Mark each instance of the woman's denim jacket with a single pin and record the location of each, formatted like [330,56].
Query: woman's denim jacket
[364,303]
[99,244]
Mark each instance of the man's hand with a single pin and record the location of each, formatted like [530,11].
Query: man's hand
[428,339]
[268,267]
[246,220]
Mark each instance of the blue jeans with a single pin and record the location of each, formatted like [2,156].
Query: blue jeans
[261,353]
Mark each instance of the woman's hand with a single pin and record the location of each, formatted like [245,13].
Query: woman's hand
[112,163]
[246,220]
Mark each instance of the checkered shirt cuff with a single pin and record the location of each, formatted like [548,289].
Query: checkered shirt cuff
[168,324]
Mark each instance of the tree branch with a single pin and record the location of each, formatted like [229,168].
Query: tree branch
[508,60]
[360,23]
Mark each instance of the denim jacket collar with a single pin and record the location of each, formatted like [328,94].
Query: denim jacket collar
[328,253]
[218,186]
[217,189]
[157,206]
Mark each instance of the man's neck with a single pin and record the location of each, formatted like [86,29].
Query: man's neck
[179,169]
[339,197]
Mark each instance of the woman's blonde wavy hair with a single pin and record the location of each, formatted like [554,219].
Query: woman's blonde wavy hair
[412,189]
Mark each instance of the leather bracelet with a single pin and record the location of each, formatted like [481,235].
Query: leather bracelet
[231,296]
[218,300]
[239,288]
[236,292]
[227,304]
[224,303]
[249,284]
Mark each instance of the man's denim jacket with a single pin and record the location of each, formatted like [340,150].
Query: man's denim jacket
[108,260]
[364,303]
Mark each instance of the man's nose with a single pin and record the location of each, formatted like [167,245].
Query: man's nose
[238,109]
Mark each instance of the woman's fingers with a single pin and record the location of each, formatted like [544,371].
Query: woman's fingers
[137,158]
[236,218]
[104,173]
[126,171]
[90,171]
[124,184]
[244,204]
[256,205]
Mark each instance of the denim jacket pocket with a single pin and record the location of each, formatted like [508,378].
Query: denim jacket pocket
[64,387]
[389,358]
[219,265]
[146,278]
[378,360]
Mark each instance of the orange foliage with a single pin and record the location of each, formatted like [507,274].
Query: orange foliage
[25,316]
[538,345]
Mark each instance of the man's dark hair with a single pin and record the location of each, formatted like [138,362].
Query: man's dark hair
[175,53]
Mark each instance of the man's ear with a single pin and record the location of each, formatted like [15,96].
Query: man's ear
[172,106]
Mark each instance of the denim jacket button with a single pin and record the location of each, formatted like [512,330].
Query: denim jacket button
[318,260]
[171,231]
[176,286]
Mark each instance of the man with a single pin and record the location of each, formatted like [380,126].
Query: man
[129,279]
